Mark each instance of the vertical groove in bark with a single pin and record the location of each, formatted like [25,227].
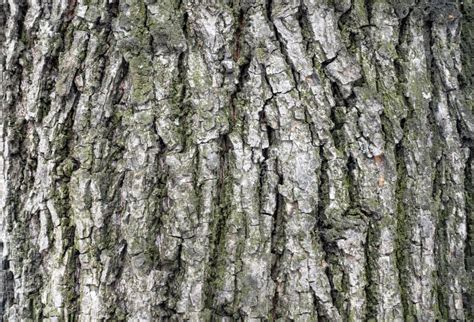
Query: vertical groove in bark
[465,123]
[253,160]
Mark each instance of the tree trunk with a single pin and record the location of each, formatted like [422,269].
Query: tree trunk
[251,160]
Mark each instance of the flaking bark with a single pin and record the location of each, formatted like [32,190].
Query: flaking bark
[236,160]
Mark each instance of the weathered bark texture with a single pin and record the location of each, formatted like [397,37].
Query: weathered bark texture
[236,160]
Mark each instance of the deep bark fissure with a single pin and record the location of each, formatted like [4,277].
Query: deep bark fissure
[371,295]
[222,212]
[402,225]
[322,226]
[466,79]
[276,239]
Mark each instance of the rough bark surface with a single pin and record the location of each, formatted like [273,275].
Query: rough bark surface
[228,160]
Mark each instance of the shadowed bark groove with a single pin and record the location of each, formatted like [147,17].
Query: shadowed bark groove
[262,160]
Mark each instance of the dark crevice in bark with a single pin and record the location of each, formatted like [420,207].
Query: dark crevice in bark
[238,35]
[440,233]
[344,22]
[181,89]
[233,114]
[151,44]
[69,12]
[402,238]
[466,81]
[323,226]
[176,274]
[181,101]
[338,117]
[462,125]
[72,278]
[370,294]
[403,221]
[266,155]
[468,296]
[277,238]
[368,8]
[389,121]
[120,251]
[309,40]
[118,92]
[311,127]
[156,199]
[3,19]
[222,212]
[62,147]
[328,61]
[22,33]
[195,177]
[305,27]
[351,166]
[22,10]
[6,283]
[50,75]
[113,8]
[372,238]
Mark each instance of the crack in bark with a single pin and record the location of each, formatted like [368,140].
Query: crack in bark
[322,226]
[276,237]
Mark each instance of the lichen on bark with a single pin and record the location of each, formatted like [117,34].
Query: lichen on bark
[236,160]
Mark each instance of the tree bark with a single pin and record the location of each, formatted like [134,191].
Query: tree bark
[255,160]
